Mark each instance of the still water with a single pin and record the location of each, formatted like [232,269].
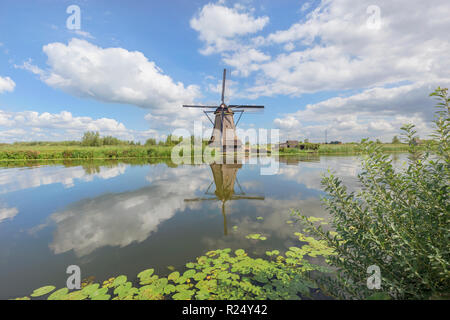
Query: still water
[112,218]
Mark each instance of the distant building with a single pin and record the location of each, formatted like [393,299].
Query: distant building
[289,144]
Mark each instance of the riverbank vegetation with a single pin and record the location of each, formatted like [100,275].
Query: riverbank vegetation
[398,224]
[93,146]
[67,150]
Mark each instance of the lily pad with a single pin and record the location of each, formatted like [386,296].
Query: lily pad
[90,289]
[189,273]
[101,297]
[184,295]
[43,291]
[58,294]
[75,295]
[119,280]
[99,292]
[146,273]
[174,276]
[256,236]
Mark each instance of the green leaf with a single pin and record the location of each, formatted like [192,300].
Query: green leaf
[119,280]
[169,289]
[101,297]
[43,291]
[90,289]
[99,292]
[199,276]
[75,295]
[189,273]
[184,295]
[58,294]
[379,296]
[146,273]
[174,276]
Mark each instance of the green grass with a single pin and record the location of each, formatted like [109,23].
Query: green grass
[347,148]
[21,152]
[55,152]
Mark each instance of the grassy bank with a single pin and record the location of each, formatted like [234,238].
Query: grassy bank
[61,152]
[18,152]
[347,148]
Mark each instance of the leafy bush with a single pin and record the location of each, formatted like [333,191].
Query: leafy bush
[150,142]
[398,221]
[395,140]
[110,141]
[91,139]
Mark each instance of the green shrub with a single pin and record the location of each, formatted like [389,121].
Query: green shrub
[398,220]
[150,142]
[91,139]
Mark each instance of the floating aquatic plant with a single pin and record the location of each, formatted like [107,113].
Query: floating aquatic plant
[256,236]
[42,291]
[217,275]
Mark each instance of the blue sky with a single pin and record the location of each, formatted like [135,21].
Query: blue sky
[355,70]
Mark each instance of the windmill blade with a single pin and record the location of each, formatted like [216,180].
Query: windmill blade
[200,199]
[196,106]
[223,85]
[242,106]
[221,125]
[239,197]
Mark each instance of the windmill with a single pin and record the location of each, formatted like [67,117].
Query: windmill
[224,127]
[224,179]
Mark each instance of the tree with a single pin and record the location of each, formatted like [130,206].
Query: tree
[395,140]
[398,221]
[91,138]
[150,142]
[110,141]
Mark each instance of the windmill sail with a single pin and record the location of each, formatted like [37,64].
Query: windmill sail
[224,130]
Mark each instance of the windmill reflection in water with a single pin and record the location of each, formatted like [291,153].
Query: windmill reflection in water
[225,177]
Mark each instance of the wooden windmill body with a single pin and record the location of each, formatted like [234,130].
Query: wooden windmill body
[224,128]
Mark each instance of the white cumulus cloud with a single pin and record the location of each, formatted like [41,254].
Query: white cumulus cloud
[32,125]
[115,75]
[6,84]
[375,113]
[220,26]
